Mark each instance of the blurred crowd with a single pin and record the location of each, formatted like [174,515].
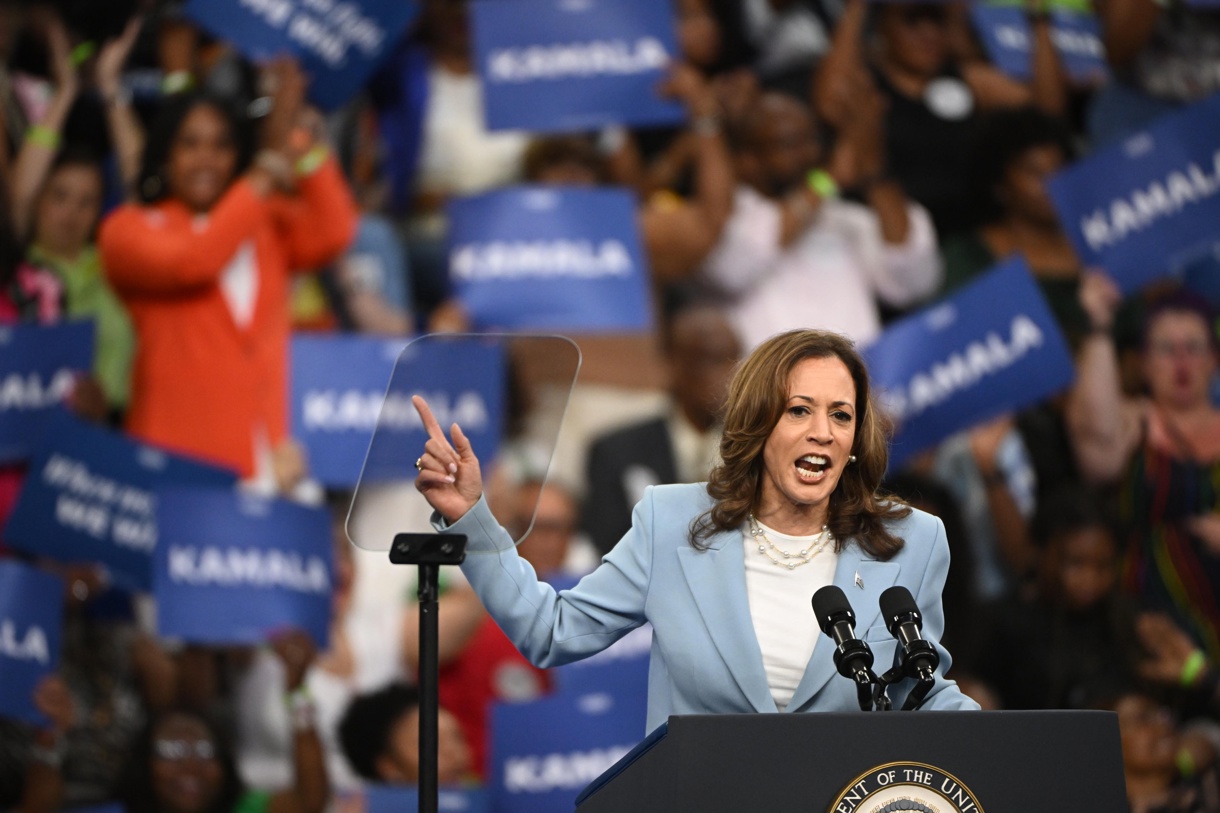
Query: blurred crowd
[843,162]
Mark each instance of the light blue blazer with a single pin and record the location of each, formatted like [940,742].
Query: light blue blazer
[705,656]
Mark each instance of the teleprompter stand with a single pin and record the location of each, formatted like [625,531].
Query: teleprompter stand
[428,552]
[1010,762]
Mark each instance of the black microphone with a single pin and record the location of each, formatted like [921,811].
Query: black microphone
[917,657]
[852,657]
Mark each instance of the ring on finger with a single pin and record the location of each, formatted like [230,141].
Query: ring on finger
[419,464]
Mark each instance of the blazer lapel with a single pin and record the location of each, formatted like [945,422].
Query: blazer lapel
[863,593]
[717,580]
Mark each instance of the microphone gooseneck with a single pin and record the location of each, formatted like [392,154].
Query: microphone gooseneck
[915,657]
[852,657]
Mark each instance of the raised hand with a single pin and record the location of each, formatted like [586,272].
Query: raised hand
[284,82]
[1168,647]
[52,698]
[112,58]
[1100,298]
[62,66]
[688,86]
[863,128]
[296,650]
[449,474]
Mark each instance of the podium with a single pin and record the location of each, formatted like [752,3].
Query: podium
[942,761]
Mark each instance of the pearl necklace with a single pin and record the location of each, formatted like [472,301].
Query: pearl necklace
[794,560]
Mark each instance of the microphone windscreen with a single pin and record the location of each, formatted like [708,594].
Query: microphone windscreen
[830,603]
[896,602]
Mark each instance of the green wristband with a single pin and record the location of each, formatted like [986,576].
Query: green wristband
[822,184]
[82,52]
[1193,668]
[1185,763]
[43,136]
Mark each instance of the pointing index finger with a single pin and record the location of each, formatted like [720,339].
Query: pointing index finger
[430,423]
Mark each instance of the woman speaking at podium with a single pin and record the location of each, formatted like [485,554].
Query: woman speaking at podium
[724,570]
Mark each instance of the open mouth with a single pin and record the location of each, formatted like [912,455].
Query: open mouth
[812,467]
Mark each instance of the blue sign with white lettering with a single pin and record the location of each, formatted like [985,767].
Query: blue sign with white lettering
[89,497]
[1147,206]
[236,568]
[562,66]
[338,387]
[399,799]
[39,365]
[464,381]
[550,258]
[338,42]
[31,625]
[1006,35]
[991,348]
[546,751]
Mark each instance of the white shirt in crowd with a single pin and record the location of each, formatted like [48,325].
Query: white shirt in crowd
[830,277]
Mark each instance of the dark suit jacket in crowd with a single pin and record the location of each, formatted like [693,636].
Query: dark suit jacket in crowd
[620,465]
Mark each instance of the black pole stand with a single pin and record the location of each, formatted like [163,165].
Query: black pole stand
[429,552]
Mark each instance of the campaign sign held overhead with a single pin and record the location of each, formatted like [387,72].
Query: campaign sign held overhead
[38,367]
[546,751]
[992,347]
[463,381]
[550,258]
[236,568]
[338,387]
[89,497]
[31,622]
[574,65]
[1146,206]
[1076,35]
[339,43]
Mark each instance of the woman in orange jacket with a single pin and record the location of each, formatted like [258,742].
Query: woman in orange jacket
[204,267]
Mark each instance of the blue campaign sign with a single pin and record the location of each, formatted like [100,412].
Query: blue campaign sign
[236,568]
[546,751]
[399,799]
[89,497]
[31,625]
[1147,206]
[339,43]
[992,347]
[1006,35]
[338,387]
[563,66]
[550,258]
[464,381]
[38,368]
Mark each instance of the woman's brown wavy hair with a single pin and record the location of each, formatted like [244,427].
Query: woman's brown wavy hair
[758,395]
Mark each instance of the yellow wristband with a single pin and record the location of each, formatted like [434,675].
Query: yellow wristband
[1193,668]
[177,82]
[311,162]
[822,184]
[43,136]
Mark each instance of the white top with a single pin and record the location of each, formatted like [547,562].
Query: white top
[781,607]
[239,283]
[264,728]
[829,277]
[458,154]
